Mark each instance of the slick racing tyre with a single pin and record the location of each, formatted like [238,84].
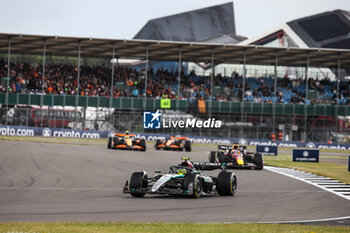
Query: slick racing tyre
[158,142]
[143,144]
[226,183]
[138,180]
[259,162]
[109,144]
[188,146]
[212,157]
[196,184]
[221,157]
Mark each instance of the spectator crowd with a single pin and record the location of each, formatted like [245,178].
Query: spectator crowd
[62,79]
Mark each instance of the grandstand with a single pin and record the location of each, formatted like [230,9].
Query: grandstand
[95,81]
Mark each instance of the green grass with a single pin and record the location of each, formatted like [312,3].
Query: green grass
[163,227]
[331,170]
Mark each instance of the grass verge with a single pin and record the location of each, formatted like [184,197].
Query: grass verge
[164,227]
[331,170]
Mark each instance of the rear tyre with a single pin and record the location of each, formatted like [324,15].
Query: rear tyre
[109,144]
[226,183]
[188,146]
[138,180]
[212,157]
[196,184]
[221,157]
[259,161]
[143,144]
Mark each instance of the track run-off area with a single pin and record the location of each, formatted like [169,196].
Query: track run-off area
[65,182]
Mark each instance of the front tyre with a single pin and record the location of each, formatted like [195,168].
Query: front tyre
[226,183]
[221,157]
[259,161]
[158,142]
[138,180]
[187,146]
[212,157]
[192,181]
[109,144]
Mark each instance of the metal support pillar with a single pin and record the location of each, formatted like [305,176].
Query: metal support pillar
[179,81]
[8,78]
[113,61]
[243,89]
[338,95]
[274,102]
[78,83]
[113,64]
[212,75]
[306,95]
[211,80]
[146,79]
[211,86]
[42,84]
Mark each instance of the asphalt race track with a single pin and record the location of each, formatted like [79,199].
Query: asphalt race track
[59,182]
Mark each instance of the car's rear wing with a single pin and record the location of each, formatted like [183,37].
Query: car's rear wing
[229,147]
[207,166]
[224,147]
[182,138]
[123,135]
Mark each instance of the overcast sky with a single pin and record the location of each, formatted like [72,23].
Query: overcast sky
[123,19]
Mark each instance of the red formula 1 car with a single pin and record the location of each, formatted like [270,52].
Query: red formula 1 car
[173,143]
[237,156]
[126,141]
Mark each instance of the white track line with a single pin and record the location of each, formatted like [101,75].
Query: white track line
[43,188]
[293,174]
[307,221]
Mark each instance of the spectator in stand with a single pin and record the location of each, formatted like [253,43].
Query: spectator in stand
[61,79]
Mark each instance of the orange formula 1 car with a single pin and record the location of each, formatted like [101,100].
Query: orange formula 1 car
[126,141]
[173,143]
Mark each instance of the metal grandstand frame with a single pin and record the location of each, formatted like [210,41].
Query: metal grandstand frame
[174,51]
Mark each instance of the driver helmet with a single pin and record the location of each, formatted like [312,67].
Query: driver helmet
[181,171]
[126,134]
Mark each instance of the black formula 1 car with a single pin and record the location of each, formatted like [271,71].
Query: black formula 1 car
[126,141]
[236,156]
[173,143]
[185,179]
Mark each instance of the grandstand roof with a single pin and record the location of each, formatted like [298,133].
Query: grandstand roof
[225,39]
[330,29]
[196,25]
[169,51]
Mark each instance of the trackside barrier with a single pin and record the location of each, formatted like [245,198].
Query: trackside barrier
[267,150]
[154,104]
[305,155]
[8,130]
